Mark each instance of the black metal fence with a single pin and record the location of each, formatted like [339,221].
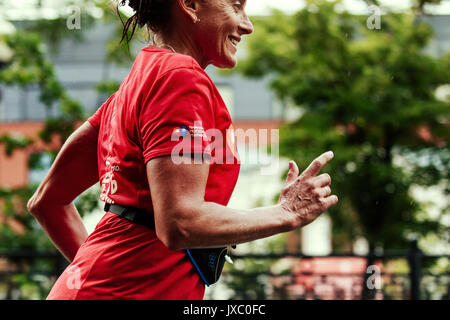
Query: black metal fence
[421,276]
[30,275]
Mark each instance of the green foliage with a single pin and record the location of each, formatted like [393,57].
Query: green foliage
[366,94]
[53,31]
[29,66]
[12,143]
[63,126]
[88,201]
[119,52]
[12,207]
[107,87]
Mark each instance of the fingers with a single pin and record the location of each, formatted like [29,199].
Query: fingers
[322,180]
[293,172]
[329,201]
[323,192]
[317,165]
[315,209]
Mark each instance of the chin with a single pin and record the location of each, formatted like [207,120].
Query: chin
[229,63]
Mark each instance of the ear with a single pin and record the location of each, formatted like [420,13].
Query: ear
[189,7]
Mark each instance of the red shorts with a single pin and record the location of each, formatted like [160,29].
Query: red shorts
[122,260]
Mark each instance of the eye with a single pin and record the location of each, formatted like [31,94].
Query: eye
[237,6]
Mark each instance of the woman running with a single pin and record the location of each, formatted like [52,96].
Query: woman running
[162,212]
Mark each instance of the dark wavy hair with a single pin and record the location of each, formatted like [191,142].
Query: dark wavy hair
[156,14]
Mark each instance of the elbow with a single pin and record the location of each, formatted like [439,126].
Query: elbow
[174,239]
[175,235]
[35,205]
[31,206]
[172,243]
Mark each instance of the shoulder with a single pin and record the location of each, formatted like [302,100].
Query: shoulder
[184,68]
[169,66]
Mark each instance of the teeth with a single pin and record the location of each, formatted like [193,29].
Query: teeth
[233,41]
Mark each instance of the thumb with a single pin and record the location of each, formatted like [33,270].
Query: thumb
[293,172]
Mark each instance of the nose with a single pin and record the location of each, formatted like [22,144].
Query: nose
[246,26]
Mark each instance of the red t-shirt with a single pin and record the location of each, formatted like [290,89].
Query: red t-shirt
[167,103]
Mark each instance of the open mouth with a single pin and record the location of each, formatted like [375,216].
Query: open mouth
[234,41]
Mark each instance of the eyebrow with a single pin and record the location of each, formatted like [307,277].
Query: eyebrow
[243,2]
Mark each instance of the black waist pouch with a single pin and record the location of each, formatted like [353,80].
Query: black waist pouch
[208,262]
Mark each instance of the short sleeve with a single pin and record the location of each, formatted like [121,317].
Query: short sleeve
[96,118]
[177,114]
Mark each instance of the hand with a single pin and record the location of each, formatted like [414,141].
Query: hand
[307,196]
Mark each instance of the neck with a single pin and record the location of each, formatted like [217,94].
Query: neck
[180,43]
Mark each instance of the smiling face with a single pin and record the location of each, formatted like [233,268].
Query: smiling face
[221,26]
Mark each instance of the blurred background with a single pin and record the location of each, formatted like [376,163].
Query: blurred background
[369,80]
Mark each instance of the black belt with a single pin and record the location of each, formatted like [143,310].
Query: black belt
[208,262]
[132,214]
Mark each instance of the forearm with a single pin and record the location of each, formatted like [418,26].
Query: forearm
[73,171]
[67,232]
[216,225]
[184,220]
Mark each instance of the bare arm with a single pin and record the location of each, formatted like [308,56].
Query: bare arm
[184,220]
[73,171]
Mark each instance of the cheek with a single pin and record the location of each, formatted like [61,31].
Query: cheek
[226,29]
[216,38]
